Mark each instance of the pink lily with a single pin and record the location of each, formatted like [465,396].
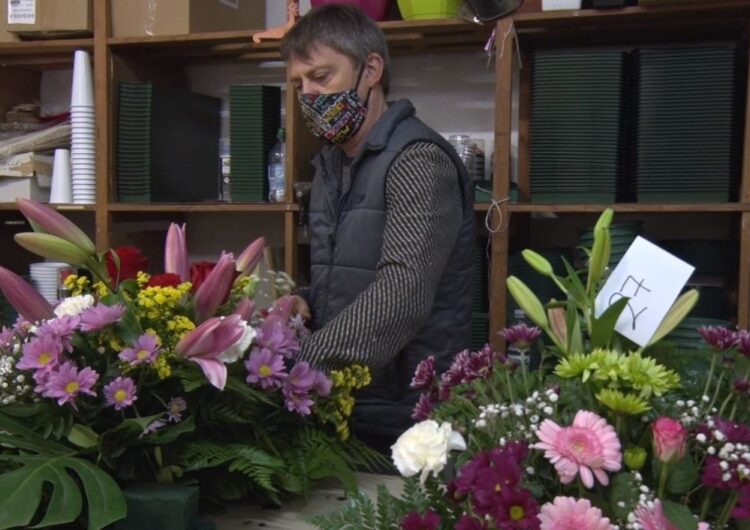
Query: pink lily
[205,344]
[23,297]
[46,220]
[245,308]
[175,253]
[281,310]
[215,289]
[250,257]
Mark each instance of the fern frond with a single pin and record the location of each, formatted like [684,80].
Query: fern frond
[258,466]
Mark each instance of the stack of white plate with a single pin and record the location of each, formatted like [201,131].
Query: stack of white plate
[83,131]
[45,276]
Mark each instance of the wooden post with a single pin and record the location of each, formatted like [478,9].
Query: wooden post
[103,108]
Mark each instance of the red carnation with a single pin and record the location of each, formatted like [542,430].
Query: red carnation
[199,271]
[131,262]
[164,280]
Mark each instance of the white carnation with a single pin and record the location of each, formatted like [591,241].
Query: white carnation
[238,349]
[74,305]
[424,448]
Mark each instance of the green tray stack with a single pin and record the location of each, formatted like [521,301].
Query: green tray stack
[577,144]
[255,118]
[622,236]
[480,303]
[167,144]
[8,315]
[687,128]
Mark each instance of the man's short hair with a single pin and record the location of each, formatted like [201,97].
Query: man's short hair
[343,28]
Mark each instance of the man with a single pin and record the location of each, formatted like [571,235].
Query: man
[391,221]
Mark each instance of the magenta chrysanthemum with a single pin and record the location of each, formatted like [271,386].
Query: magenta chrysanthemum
[565,513]
[424,375]
[120,393]
[266,368]
[651,517]
[100,316]
[521,336]
[144,350]
[718,338]
[67,383]
[588,447]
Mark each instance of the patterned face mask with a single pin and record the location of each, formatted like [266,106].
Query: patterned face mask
[335,117]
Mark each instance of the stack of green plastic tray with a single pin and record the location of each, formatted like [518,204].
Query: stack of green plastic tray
[686,335]
[167,144]
[255,117]
[687,138]
[577,126]
[8,315]
[480,322]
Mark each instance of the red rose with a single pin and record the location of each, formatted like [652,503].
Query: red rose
[198,272]
[131,262]
[164,280]
[670,438]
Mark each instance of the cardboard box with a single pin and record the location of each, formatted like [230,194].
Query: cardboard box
[27,165]
[49,18]
[140,18]
[5,35]
[32,188]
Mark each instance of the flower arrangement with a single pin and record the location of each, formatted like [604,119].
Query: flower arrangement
[165,377]
[602,435]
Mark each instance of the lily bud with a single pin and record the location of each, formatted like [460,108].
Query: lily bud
[23,297]
[244,309]
[250,257]
[538,262]
[176,259]
[52,247]
[558,324]
[205,344]
[46,220]
[528,301]
[215,289]
[679,310]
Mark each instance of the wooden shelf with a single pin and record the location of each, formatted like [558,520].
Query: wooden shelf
[42,54]
[721,19]
[218,207]
[11,207]
[404,37]
[632,208]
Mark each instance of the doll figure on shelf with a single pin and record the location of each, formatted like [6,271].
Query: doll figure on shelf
[278,32]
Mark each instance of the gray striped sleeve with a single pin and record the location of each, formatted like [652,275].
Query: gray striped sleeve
[424,216]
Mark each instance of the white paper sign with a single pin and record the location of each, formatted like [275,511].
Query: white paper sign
[652,279]
[21,11]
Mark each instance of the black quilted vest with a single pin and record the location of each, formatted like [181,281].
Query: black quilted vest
[345,246]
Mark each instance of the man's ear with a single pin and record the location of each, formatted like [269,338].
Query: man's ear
[373,69]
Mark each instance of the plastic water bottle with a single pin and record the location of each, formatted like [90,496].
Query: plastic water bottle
[276,167]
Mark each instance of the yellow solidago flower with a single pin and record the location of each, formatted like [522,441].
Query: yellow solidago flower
[77,285]
[161,365]
[649,377]
[577,364]
[101,289]
[622,403]
[142,278]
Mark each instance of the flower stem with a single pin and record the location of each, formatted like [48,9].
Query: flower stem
[524,370]
[716,392]
[710,374]
[509,384]
[663,479]
[706,503]
[731,501]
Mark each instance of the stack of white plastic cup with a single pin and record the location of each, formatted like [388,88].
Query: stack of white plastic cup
[62,191]
[83,131]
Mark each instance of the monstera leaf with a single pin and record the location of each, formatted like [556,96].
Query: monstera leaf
[21,493]
[45,474]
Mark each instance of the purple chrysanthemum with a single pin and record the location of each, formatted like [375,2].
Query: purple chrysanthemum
[301,377]
[743,342]
[121,393]
[718,338]
[295,400]
[322,384]
[175,408]
[423,408]
[41,377]
[520,335]
[41,353]
[277,337]
[68,382]
[297,324]
[424,375]
[415,521]
[100,316]
[466,522]
[62,329]
[6,335]
[144,350]
[153,427]
[266,368]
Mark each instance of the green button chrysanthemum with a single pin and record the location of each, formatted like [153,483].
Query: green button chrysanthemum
[622,403]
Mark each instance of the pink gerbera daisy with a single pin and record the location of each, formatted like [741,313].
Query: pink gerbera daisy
[566,512]
[589,446]
[651,517]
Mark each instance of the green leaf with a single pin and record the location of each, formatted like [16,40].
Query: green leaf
[169,434]
[25,438]
[21,493]
[623,491]
[604,327]
[683,475]
[82,436]
[575,341]
[576,289]
[679,515]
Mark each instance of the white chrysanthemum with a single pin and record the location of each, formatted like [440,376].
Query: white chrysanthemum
[424,448]
[237,350]
[74,305]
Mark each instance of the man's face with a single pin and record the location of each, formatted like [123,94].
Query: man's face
[325,71]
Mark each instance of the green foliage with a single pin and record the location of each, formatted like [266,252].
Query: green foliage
[361,513]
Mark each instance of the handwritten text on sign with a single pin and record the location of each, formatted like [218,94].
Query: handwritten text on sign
[651,278]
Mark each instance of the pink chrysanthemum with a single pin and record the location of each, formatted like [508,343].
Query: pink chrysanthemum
[68,382]
[120,393]
[144,350]
[589,446]
[651,517]
[41,353]
[564,513]
[100,316]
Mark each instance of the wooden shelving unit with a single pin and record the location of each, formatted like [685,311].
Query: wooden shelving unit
[679,23]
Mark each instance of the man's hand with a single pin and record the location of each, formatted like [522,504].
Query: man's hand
[300,307]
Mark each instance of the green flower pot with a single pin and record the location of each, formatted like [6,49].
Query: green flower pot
[162,506]
[421,9]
